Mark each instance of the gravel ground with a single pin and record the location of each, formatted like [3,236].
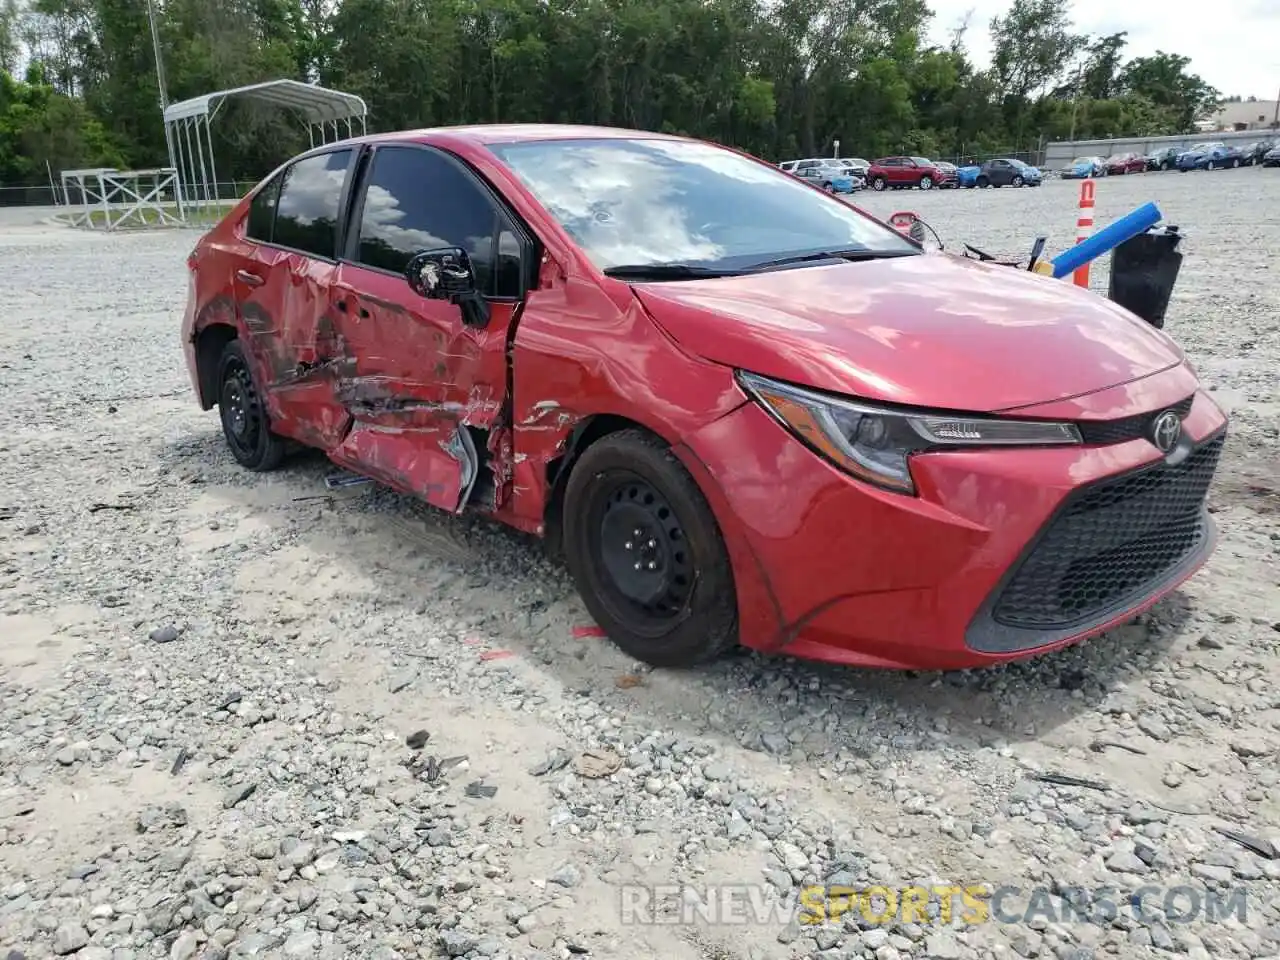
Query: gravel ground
[214,693]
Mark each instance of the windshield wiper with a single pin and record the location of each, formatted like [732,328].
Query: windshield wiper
[850,256]
[666,271]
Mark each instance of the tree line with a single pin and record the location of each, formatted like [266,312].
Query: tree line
[780,79]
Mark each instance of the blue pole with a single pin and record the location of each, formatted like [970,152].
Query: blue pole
[1106,239]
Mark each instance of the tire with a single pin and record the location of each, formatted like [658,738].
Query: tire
[828,188]
[1017,181]
[879,183]
[983,182]
[926,183]
[629,481]
[245,425]
[1211,165]
[1164,165]
[1235,162]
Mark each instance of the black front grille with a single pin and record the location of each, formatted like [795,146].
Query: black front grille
[1109,543]
[1104,432]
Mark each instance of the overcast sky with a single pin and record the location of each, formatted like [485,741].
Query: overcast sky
[1233,44]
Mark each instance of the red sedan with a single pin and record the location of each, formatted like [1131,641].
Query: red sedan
[1126,163]
[744,411]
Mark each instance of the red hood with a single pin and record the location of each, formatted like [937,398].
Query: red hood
[934,331]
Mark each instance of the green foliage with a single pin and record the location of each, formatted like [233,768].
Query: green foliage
[779,79]
[39,125]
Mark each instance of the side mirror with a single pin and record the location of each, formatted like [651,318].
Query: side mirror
[445,273]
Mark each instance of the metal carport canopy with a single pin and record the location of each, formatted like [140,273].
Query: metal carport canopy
[317,104]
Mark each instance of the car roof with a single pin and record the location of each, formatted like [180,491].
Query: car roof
[484,134]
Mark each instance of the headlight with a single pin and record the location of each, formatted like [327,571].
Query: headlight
[875,443]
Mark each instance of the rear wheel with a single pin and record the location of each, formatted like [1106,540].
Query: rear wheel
[983,182]
[646,554]
[244,416]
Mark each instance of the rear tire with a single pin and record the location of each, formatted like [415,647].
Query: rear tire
[983,182]
[245,424]
[665,594]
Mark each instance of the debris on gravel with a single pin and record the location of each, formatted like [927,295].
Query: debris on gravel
[237,722]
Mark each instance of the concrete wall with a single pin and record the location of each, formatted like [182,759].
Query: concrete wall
[1059,154]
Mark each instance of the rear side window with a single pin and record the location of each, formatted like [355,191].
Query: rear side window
[262,211]
[310,195]
[419,199]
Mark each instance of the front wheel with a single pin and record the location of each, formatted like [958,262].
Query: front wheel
[1017,181]
[983,182]
[244,416]
[828,188]
[646,554]
[1234,163]
[1164,165]
[926,183]
[879,183]
[1211,165]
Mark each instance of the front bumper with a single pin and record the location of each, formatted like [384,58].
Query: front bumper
[952,578]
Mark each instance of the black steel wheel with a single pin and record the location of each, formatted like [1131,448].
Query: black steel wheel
[245,424]
[646,553]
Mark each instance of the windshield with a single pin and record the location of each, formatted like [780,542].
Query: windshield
[923,161]
[639,201]
[1079,160]
[1200,148]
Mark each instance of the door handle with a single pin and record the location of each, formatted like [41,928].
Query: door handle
[252,279]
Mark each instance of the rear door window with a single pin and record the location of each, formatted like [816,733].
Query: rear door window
[262,211]
[310,197]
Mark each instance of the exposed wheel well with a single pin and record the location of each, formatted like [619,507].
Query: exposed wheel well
[584,434]
[210,342]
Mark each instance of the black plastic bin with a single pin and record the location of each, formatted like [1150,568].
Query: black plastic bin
[1143,271]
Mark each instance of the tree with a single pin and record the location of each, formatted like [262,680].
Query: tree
[1165,80]
[779,78]
[1032,45]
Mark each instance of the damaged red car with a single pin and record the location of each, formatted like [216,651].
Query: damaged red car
[743,411]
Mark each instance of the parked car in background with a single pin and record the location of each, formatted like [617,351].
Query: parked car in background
[1209,156]
[855,452]
[950,179]
[1166,158]
[967,176]
[902,173]
[1122,163]
[1272,157]
[827,174]
[1253,153]
[1002,172]
[857,164]
[1082,167]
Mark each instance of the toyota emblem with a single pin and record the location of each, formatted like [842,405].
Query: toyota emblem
[1165,431]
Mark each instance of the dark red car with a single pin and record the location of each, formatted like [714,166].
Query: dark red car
[900,173]
[743,410]
[1126,163]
